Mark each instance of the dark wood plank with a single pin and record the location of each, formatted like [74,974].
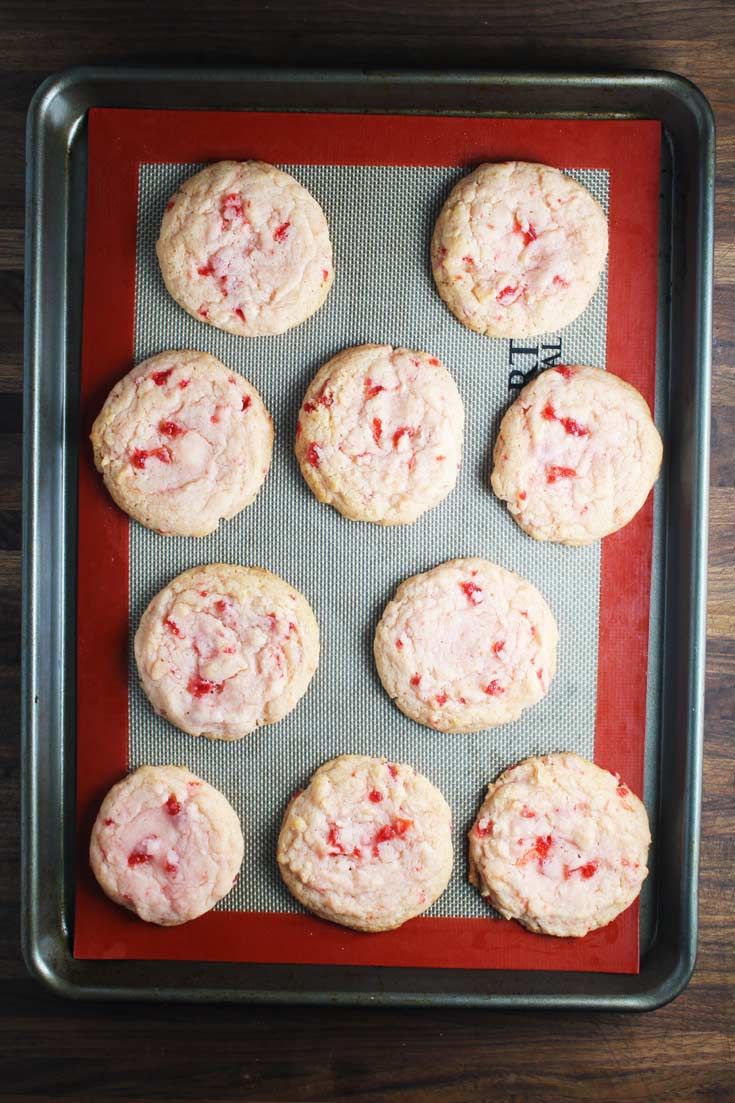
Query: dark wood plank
[53,1050]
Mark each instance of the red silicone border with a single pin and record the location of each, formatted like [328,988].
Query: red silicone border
[120,140]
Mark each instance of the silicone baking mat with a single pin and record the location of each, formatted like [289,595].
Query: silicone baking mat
[381,207]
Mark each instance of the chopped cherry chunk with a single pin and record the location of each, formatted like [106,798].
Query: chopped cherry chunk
[402,432]
[528,235]
[377,429]
[281,232]
[172,806]
[568,423]
[141,455]
[375,796]
[394,830]
[200,687]
[543,845]
[312,455]
[231,209]
[471,590]
[508,295]
[160,377]
[588,870]
[171,429]
[138,858]
[494,688]
[372,389]
[573,427]
[554,472]
[335,842]
[483,830]
[173,628]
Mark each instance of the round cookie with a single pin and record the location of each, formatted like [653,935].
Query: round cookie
[166,845]
[183,442]
[245,247]
[576,456]
[367,844]
[380,433]
[560,845]
[224,649]
[465,646]
[518,249]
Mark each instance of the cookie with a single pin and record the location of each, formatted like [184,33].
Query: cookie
[182,442]
[465,646]
[224,649]
[166,845]
[518,249]
[576,456]
[560,845]
[367,844]
[380,432]
[245,247]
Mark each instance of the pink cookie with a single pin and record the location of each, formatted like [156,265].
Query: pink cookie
[166,845]
[466,646]
[560,845]
[518,249]
[183,442]
[380,432]
[367,844]
[224,649]
[245,247]
[576,455]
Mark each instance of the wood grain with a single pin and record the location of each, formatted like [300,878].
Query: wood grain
[51,1050]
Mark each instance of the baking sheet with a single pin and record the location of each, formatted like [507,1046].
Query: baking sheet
[381,218]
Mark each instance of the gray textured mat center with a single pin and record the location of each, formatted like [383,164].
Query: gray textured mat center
[381,221]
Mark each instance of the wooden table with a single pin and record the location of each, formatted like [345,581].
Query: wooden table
[50,1049]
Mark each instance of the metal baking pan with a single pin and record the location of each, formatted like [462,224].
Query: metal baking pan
[56,177]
